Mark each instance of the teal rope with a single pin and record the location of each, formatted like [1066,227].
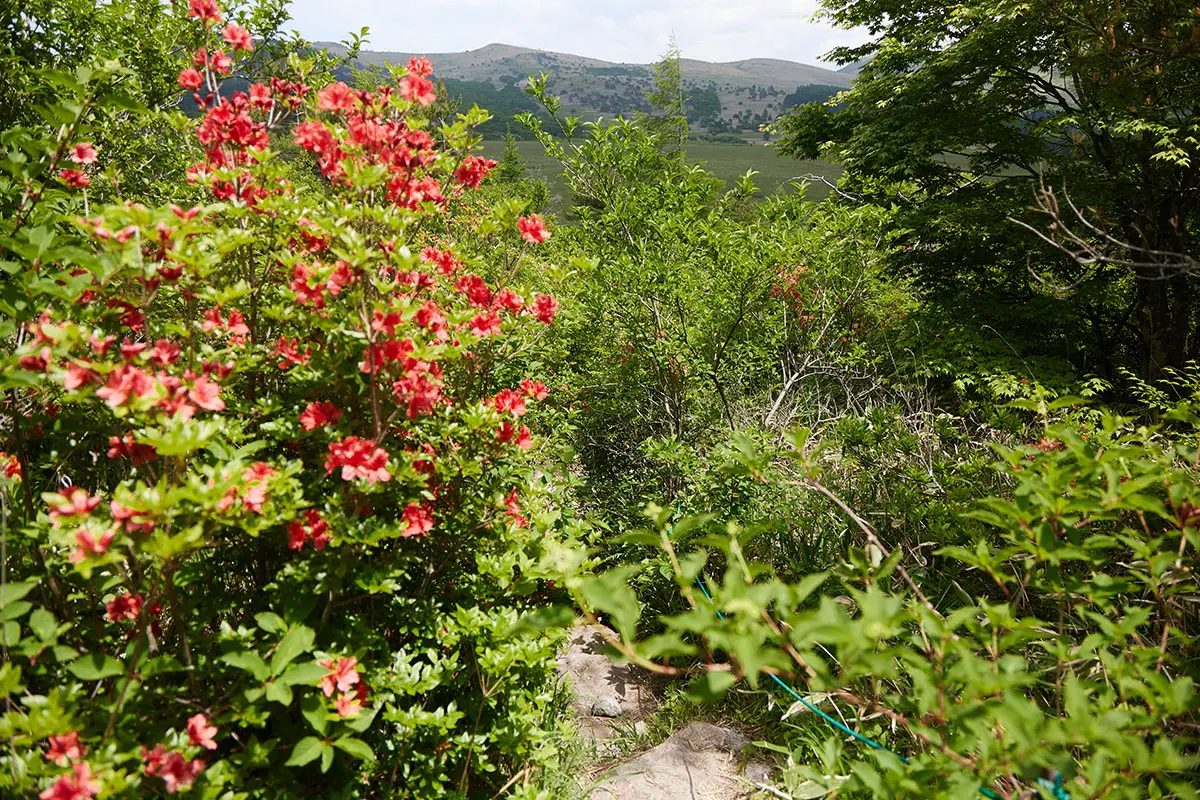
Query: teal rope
[835,723]
[1056,788]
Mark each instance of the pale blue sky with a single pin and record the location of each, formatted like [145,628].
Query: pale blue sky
[614,30]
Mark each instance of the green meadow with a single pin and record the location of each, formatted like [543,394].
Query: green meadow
[727,161]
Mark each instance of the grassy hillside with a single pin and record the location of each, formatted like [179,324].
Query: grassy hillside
[727,161]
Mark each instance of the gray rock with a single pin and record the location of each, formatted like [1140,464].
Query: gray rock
[608,696]
[700,762]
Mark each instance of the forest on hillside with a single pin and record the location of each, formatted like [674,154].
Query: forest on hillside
[320,431]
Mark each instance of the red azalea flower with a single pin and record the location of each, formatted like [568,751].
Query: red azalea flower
[486,324]
[130,350]
[221,62]
[190,78]
[36,363]
[533,229]
[124,606]
[507,298]
[535,390]
[318,415]
[312,526]
[177,772]
[10,465]
[204,394]
[77,503]
[336,97]
[204,10]
[165,353]
[358,458]
[74,178]
[473,170]
[83,153]
[87,545]
[200,732]
[341,676]
[420,388]
[476,290]
[65,749]
[126,446]
[514,509]
[123,382]
[237,37]
[418,520]
[420,66]
[260,97]
[544,308]
[508,401]
[76,786]
[417,89]
[289,353]
[347,705]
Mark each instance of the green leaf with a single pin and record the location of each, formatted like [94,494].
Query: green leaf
[610,592]
[639,537]
[10,679]
[296,641]
[13,592]
[314,711]
[95,667]
[44,625]
[326,757]
[249,661]
[362,721]
[307,673]
[10,633]
[553,616]
[15,610]
[305,751]
[355,747]
[279,692]
[270,622]
[711,686]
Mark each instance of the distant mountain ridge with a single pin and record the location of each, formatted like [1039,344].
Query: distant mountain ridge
[726,97]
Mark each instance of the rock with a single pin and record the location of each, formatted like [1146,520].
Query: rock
[608,696]
[700,762]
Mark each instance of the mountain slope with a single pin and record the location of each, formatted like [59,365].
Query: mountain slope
[727,97]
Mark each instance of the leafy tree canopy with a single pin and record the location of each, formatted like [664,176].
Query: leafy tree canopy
[1097,99]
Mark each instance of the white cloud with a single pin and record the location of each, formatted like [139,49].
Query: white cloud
[617,30]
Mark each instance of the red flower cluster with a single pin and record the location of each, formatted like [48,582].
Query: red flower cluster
[418,520]
[318,415]
[124,606]
[204,10]
[341,675]
[65,748]
[446,263]
[289,352]
[311,527]
[170,765]
[201,733]
[513,509]
[473,170]
[76,786]
[358,458]
[309,293]
[533,229]
[125,446]
[238,37]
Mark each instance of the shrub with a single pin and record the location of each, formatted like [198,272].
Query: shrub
[270,519]
[1071,673]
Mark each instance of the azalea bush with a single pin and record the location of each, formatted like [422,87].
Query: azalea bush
[272,522]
